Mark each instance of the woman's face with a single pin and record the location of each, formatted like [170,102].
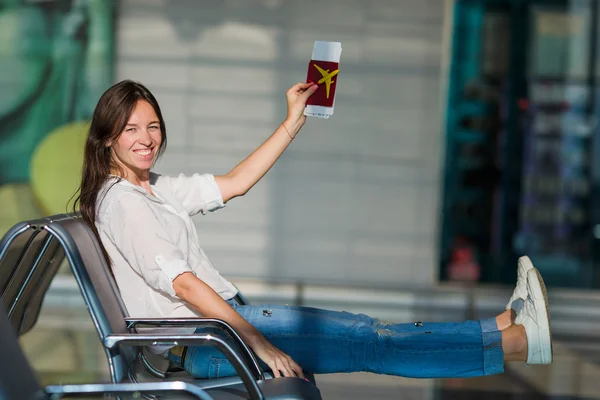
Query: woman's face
[138,144]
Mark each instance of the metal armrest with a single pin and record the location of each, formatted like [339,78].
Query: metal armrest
[202,323]
[138,339]
[57,391]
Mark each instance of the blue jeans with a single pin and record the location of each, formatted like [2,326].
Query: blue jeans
[323,341]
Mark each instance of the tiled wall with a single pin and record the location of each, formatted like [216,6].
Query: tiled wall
[355,199]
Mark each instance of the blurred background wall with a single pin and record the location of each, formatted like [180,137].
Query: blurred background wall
[56,59]
[355,198]
[463,135]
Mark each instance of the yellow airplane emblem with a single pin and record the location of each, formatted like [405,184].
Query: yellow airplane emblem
[326,77]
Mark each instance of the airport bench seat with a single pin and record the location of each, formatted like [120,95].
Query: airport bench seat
[30,255]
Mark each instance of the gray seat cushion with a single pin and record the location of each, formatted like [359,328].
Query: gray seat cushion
[272,389]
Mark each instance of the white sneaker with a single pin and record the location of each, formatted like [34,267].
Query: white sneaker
[520,293]
[534,316]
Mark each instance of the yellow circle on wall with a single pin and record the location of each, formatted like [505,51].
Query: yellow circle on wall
[18,204]
[56,167]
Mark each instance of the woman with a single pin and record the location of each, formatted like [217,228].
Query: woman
[143,221]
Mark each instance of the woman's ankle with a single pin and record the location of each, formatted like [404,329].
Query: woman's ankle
[514,343]
[505,320]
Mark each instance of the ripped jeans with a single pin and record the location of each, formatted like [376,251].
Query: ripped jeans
[323,341]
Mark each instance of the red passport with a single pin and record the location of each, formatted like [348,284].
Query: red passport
[327,73]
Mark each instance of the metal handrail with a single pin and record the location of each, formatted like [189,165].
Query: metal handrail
[138,339]
[203,323]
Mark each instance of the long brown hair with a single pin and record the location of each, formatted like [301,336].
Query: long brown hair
[108,122]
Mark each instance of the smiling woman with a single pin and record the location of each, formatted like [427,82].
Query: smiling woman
[135,148]
[143,221]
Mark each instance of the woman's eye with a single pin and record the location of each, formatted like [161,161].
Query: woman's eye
[154,127]
[129,129]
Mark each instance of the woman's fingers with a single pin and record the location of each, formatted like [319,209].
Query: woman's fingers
[300,87]
[297,369]
[281,367]
[287,367]
[275,369]
[310,90]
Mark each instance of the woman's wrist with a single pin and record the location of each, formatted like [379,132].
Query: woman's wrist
[291,127]
[288,131]
[253,337]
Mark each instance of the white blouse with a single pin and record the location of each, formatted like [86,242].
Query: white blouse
[151,240]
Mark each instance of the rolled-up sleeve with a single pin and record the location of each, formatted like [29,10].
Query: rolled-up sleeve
[143,242]
[199,193]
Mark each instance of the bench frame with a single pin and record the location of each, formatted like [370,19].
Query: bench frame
[35,264]
[19,382]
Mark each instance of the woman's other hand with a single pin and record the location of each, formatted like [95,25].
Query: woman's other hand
[297,96]
[280,363]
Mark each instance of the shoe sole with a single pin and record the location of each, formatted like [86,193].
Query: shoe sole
[546,340]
